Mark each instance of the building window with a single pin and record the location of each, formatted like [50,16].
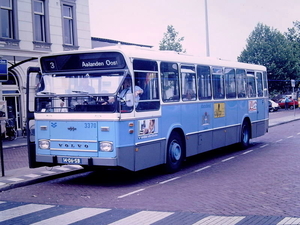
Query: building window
[41,27]
[9,24]
[39,21]
[68,25]
[6,19]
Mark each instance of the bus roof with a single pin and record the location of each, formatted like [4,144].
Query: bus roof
[170,56]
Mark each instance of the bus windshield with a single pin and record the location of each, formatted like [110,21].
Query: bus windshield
[99,83]
[90,92]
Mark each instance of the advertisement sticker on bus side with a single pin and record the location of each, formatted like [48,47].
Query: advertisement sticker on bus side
[148,128]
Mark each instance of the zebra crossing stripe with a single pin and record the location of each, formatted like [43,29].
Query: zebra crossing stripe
[289,221]
[143,217]
[220,220]
[21,211]
[72,217]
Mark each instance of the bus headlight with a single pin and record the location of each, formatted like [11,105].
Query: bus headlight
[106,146]
[44,144]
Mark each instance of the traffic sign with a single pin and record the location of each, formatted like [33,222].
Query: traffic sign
[3,70]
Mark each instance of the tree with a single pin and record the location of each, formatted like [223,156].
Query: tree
[267,46]
[171,41]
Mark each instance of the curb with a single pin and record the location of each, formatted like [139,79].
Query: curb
[15,182]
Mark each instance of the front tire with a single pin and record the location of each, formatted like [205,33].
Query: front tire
[175,153]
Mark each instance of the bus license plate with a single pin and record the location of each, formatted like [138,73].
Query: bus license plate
[71,160]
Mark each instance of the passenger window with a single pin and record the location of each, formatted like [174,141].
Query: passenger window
[204,82]
[170,82]
[241,82]
[251,88]
[230,83]
[259,80]
[188,81]
[218,83]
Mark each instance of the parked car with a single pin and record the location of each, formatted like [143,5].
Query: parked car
[291,104]
[273,106]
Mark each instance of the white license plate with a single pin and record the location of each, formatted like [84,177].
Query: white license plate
[71,160]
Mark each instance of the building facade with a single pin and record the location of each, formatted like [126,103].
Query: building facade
[32,28]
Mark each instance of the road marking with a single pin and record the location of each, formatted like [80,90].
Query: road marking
[143,217]
[131,193]
[48,172]
[15,179]
[224,160]
[290,136]
[32,175]
[228,220]
[166,181]
[72,217]
[247,152]
[289,220]
[264,146]
[204,168]
[22,211]
[279,140]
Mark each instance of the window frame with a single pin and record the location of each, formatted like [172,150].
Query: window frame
[73,29]
[45,43]
[12,42]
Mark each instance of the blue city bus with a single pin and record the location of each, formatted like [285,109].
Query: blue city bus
[135,108]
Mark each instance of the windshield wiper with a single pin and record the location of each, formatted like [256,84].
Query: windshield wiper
[47,93]
[81,92]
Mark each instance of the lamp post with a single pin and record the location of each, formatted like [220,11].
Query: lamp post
[293,86]
[207,32]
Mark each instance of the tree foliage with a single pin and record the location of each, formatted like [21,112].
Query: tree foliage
[267,46]
[171,41]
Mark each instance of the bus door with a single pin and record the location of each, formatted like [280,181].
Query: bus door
[219,107]
[251,94]
[262,104]
[147,113]
[33,78]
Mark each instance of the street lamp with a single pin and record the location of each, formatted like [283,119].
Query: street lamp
[207,32]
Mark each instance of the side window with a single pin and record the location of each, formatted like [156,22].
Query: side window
[265,81]
[259,80]
[146,77]
[241,82]
[170,82]
[251,88]
[204,82]
[188,82]
[230,83]
[218,82]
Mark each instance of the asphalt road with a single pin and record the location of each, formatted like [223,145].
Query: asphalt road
[259,185]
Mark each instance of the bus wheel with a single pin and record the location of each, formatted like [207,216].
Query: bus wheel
[175,153]
[245,135]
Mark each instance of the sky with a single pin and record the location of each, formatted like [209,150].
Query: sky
[230,22]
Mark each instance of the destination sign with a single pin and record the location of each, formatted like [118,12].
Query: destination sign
[82,61]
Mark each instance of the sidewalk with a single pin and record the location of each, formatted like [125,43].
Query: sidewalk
[17,173]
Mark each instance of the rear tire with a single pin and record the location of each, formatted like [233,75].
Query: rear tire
[245,135]
[175,153]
